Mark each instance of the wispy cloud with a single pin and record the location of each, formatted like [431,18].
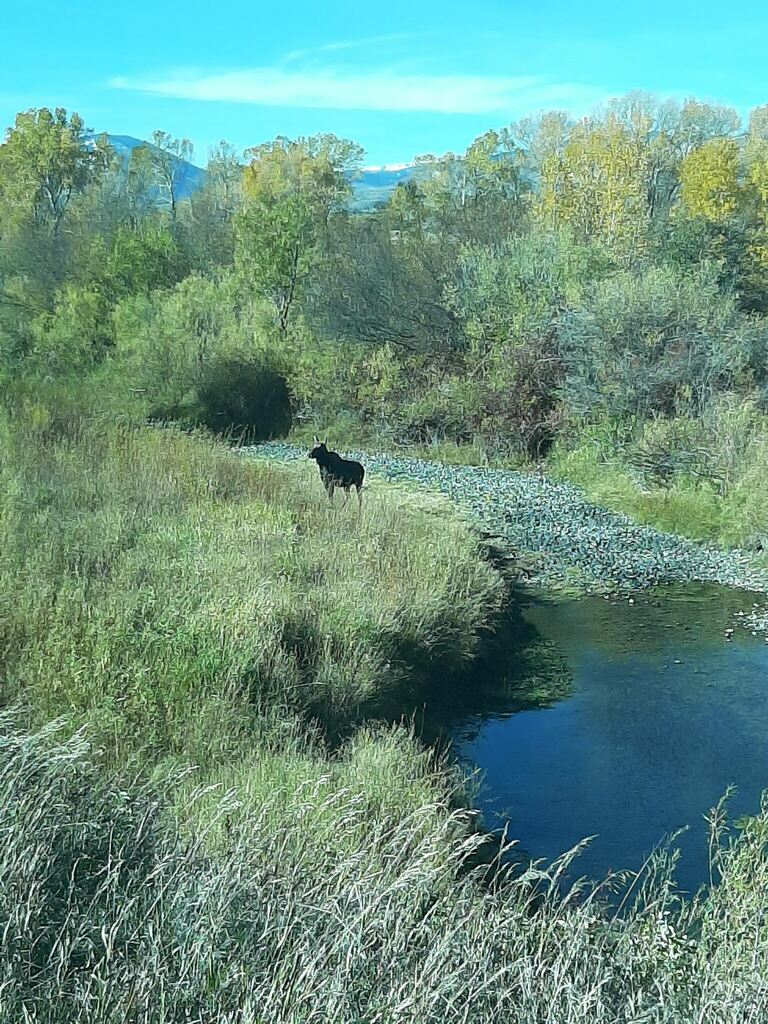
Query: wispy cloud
[347,44]
[354,89]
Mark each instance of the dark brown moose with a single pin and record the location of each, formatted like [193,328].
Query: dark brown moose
[337,472]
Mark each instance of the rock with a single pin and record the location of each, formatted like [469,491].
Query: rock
[572,538]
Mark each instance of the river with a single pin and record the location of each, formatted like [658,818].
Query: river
[662,716]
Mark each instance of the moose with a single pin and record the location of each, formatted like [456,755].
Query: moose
[337,472]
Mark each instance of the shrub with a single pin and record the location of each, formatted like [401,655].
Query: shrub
[248,397]
[661,342]
[78,335]
[198,356]
[447,411]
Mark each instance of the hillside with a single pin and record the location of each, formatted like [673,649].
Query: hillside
[373,186]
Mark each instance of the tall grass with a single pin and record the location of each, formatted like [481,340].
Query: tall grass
[717,487]
[163,588]
[113,913]
[179,629]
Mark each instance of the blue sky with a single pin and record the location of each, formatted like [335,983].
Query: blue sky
[402,77]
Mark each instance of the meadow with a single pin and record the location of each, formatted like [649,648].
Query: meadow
[214,804]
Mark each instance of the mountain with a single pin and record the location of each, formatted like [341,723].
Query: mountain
[375,185]
[191,178]
[372,187]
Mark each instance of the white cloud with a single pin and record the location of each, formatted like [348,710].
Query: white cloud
[346,44]
[366,90]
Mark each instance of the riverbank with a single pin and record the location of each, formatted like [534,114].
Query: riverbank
[183,843]
[216,584]
[566,542]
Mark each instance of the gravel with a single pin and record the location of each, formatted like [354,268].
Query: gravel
[565,540]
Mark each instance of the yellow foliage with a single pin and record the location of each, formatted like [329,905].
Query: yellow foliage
[598,188]
[709,180]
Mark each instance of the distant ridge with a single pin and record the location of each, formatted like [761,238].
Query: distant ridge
[372,187]
[192,177]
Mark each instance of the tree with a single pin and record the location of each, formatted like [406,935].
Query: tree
[475,197]
[598,189]
[138,185]
[208,231]
[756,201]
[224,178]
[46,159]
[540,137]
[384,279]
[167,158]
[709,179]
[291,189]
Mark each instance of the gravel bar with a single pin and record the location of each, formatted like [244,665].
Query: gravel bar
[568,541]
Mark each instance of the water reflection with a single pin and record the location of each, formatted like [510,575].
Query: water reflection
[663,715]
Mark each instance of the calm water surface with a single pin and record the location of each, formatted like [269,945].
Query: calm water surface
[664,715]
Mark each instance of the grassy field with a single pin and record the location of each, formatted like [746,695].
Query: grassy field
[335,893]
[167,591]
[730,513]
[197,823]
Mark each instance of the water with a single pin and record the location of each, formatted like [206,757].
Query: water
[664,715]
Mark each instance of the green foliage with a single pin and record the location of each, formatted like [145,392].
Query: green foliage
[477,197]
[703,478]
[597,188]
[448,411]
[139,262]
[166,589]
[274,249]
[291,189]
[659,342]
[385,280]
[45,161]
[709,180]
[163,159]
[78,334]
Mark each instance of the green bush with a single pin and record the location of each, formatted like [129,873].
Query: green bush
[660,342]
[199,356]
[249,398]
[78,335]
[448,411]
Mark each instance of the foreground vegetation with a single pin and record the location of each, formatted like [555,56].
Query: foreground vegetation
[182,633]
[323,903]
[197,822]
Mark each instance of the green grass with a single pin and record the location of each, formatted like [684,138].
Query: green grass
[730,516]
[162,588]
[684,509]
[181,630]
[319,902]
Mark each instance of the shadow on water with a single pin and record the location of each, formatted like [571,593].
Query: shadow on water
[622,721]
[517,669]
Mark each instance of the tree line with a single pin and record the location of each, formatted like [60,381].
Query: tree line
[556,273]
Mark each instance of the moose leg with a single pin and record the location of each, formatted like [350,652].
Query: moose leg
[359,489]
[331,489]
[346,496]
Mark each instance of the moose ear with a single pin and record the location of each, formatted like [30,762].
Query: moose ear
[325,442]
[316,439]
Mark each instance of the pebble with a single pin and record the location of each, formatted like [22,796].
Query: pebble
[576,544]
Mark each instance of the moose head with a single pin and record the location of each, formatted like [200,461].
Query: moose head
[319,449]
